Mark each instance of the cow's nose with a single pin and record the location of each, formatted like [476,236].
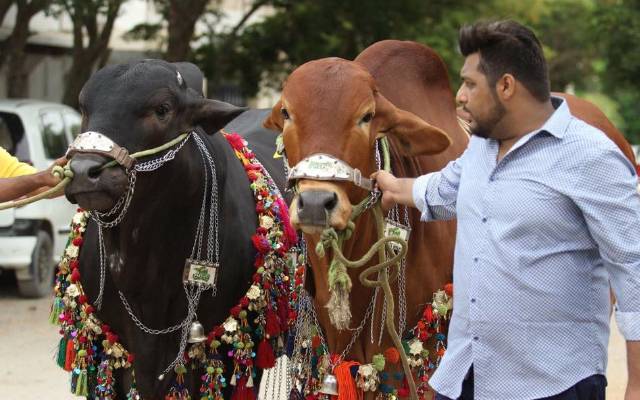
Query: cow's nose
[314,206]
[86,168]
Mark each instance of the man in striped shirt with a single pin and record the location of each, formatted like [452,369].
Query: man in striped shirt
[548,220]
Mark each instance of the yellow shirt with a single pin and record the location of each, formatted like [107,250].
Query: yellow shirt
[11,167]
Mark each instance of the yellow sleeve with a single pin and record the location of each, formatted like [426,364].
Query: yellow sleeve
[11,167]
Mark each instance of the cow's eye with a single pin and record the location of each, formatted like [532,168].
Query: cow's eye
[285,113]
[162,110]
[367,118]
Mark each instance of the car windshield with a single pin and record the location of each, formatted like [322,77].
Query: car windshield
[12,137]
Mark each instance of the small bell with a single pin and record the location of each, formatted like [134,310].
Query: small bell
[329,385]
[196,333]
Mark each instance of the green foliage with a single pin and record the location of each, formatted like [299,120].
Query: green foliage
[592,46]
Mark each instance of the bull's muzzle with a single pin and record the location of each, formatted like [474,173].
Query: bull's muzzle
[316,206]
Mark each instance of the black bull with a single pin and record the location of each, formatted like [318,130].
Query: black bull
[141,106]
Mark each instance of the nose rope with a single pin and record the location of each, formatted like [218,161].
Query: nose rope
[340,282]
[66,174]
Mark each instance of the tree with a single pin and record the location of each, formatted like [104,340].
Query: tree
[13,48]
[618,29]
[5,5]
[85,16]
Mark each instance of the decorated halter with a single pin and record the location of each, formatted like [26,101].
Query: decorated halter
[325,167]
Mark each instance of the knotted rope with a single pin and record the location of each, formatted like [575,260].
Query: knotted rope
[340,282]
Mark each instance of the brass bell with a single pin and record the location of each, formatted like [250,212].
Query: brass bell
[196,333]
[329,385]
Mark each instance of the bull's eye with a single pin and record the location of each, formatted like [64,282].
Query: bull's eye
[367,118]
[162,110]
[285,113]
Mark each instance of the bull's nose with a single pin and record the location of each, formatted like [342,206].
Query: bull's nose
[314,206]
[86,168]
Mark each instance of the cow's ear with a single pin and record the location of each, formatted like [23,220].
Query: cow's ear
[275,121]
[416,136]
[213,115]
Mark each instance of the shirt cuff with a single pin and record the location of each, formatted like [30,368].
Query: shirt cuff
[629,324]
[419,193]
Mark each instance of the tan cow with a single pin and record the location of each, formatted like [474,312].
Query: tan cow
[339,107]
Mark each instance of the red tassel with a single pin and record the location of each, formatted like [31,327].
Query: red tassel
[70,356]
[347,389]
[265,357]
[283,313]
[428,314]
[242,392]
[272,325]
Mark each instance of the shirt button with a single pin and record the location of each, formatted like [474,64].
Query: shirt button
[475,259]
[492,179]
[484,219]
[473,300]
[476,338]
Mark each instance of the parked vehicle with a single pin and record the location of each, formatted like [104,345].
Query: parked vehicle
[33,237]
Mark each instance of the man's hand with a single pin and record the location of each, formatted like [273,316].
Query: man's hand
[46,177]
[633,365]
[394,190]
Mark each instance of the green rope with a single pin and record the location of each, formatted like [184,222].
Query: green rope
[66,175]
[340,282]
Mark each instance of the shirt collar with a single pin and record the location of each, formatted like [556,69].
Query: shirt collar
[558,122]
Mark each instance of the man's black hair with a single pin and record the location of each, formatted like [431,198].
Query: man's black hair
[507,47]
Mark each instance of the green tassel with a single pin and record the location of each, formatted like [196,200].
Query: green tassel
[56,309]
[62,352]
[81,384]
[378,362]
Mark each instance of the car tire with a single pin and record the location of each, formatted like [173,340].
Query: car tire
[42,266]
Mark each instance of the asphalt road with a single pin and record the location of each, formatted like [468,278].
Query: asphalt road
[28,344]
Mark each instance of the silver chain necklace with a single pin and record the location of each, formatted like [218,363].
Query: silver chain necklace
[192,291]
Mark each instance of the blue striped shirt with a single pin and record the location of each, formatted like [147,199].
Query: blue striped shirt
[542,234]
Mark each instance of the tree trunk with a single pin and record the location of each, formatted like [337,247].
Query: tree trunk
[183,15]
[95,54]
[14,48]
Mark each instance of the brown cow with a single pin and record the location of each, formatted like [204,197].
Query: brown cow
[340,107]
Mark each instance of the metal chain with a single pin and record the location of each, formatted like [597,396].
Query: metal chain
[97,216]
[103,268]
[154,164]
[402,282]
[153,331]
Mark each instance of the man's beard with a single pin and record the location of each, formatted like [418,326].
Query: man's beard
[485,128]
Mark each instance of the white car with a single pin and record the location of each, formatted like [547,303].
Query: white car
[33,237]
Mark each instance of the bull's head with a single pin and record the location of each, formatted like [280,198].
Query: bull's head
[332,106]
[137,106]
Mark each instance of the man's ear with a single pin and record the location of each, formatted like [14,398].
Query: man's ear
[275,120]
[415,135]
[213,115]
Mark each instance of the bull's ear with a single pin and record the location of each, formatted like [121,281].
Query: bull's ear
[275,121]
[416,136]
[213,115]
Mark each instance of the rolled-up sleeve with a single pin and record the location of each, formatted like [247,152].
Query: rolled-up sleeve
[436,194]
[606,194]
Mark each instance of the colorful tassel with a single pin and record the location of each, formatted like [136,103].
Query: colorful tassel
[62,352]
[70,356]
[347,389]
[56,309]
[242,392]
[81,384]
[265,357]
[272,324]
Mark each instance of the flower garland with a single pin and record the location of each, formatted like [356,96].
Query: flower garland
[372,377]
[91,351]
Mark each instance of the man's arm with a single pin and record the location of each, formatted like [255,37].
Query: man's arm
[16,187]
[605,192]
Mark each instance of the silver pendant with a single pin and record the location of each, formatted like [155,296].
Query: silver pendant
[398,230]
[329,385]
[200,273]
[196,333]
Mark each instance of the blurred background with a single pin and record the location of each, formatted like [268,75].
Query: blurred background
[48,48]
